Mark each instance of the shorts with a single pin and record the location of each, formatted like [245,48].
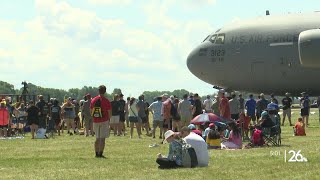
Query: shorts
[135,119]
[122,117]
[157,124]
[114,119]
[68,121]
[144,120]
[101,130]
[305,112]
[87,121]
[235,116]
[33,121]
[3,126]
[185,120]
[287,112]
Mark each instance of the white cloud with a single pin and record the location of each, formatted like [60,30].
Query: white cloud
[61,19]
[157,15]
[110,2]
[64,47]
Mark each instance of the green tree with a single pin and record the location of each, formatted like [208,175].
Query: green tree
[6,88]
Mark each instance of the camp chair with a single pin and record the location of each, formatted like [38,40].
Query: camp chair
[18,125]
[272,135]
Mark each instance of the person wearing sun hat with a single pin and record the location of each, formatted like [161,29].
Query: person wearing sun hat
[174,158]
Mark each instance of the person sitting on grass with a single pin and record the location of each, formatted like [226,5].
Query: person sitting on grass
[299,128]
[199,145]
[234,141]
[213,138]
[257,139]
[174,158]
[193,128]
[207,130]
[4,119]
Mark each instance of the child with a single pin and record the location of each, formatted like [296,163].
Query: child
[213,139]
[207,130]
[234,141]
[257,139]
[298,129]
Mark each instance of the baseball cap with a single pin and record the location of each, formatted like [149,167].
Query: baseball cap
[222,91]
[211,125]
[192,126]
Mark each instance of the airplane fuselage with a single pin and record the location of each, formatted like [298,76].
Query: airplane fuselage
[260,55]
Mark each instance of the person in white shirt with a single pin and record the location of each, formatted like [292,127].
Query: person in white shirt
[208,104]
[199,145]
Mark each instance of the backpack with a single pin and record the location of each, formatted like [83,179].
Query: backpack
[97,112]
[189,156]
[174,112]
[257,138]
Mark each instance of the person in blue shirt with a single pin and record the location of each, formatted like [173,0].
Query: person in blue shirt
[251,109]
[174,158]
[155,109]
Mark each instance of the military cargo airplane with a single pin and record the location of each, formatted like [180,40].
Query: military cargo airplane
[270,54]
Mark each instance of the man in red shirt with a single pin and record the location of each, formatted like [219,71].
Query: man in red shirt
[100,109]
[224,106]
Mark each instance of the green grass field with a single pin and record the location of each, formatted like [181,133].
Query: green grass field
[72,157]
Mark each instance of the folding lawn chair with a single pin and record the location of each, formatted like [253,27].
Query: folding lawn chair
[272,135]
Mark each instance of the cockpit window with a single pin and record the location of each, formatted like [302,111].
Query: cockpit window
[213,38]
[220,39]
[206,38]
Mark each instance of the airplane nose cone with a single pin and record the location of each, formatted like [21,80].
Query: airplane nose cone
[192,61]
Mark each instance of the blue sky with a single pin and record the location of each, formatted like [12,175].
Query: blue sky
[133,45]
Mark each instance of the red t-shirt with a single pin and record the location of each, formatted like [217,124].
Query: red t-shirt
[299,129]
[225,108]
[105,106]
[4,117]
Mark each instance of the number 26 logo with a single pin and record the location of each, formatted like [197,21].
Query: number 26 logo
[296,156]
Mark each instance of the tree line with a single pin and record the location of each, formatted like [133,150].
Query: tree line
[77,93]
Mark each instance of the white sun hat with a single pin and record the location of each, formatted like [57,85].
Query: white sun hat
[168,134]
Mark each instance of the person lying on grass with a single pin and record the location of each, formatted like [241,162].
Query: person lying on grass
[174,158]
[234,141]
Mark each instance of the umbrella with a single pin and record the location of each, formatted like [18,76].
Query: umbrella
[206,117]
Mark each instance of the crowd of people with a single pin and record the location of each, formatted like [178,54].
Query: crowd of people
[170,114]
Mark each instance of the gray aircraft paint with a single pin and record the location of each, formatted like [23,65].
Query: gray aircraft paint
[261,55]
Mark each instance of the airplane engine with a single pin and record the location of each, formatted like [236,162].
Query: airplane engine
[309,48]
